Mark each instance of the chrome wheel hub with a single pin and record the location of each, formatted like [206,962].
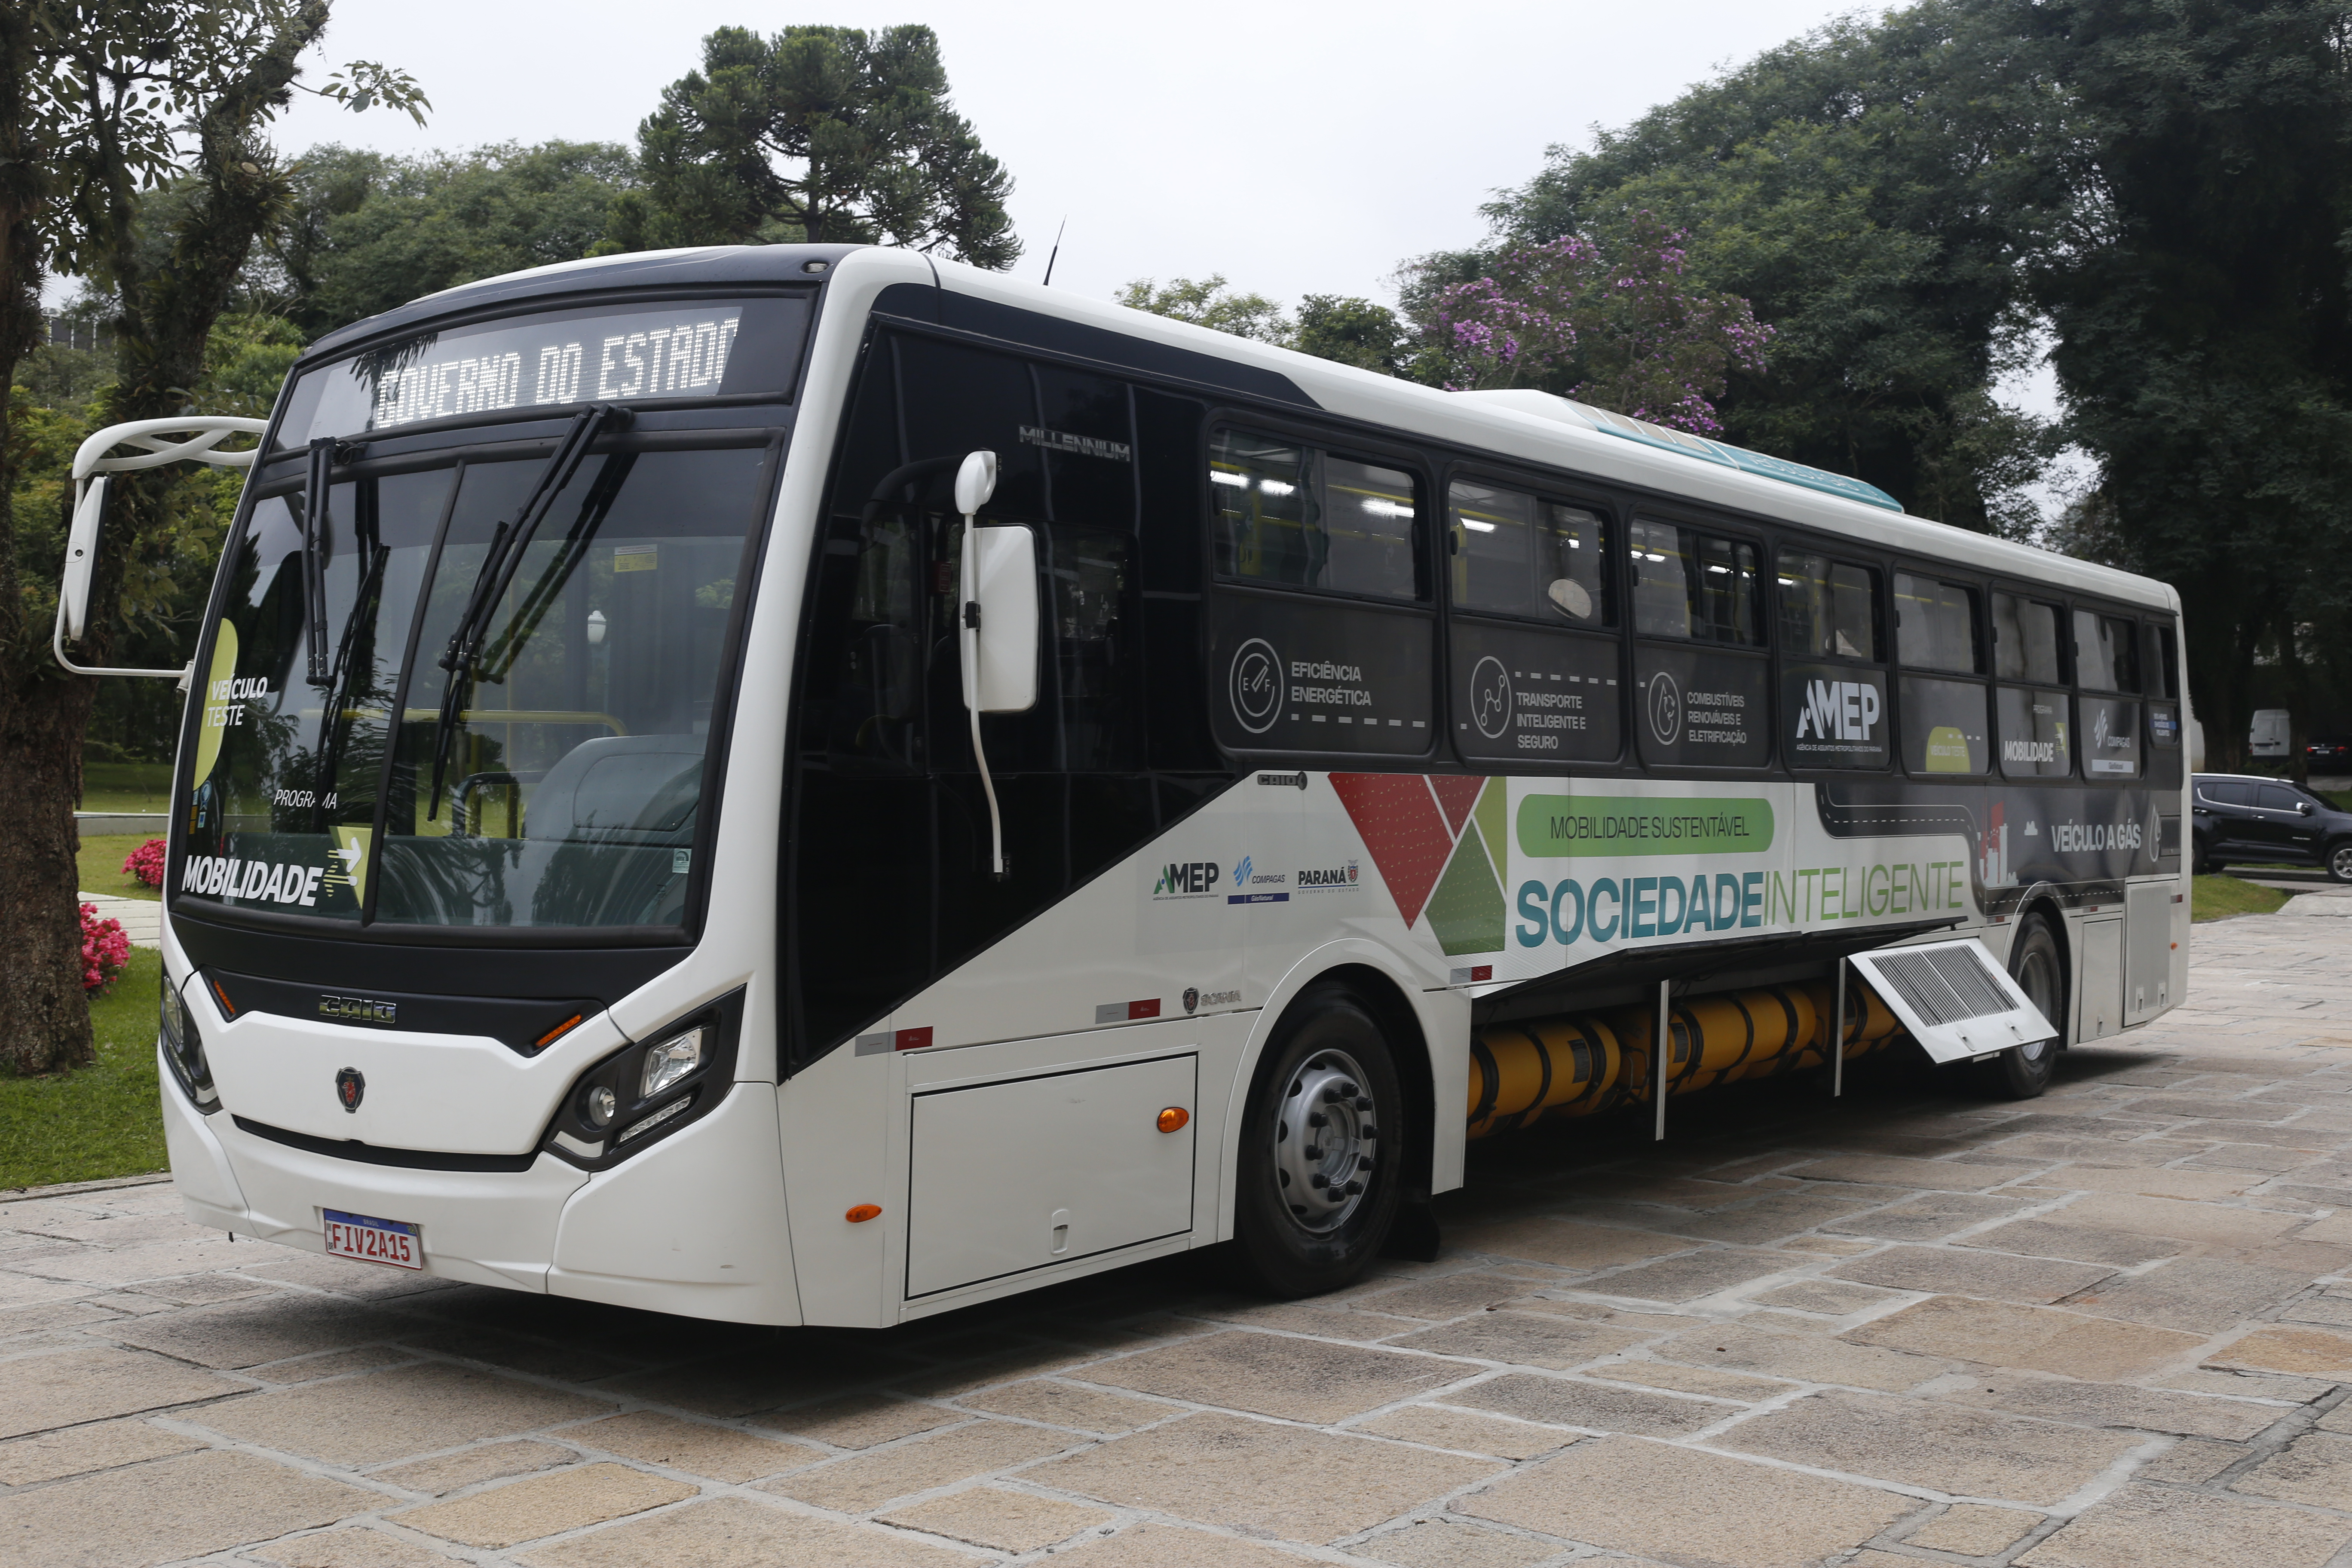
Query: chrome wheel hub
[1325,1133]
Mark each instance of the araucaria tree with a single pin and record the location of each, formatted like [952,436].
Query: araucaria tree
[1628,333]
[817,135]
[103,100]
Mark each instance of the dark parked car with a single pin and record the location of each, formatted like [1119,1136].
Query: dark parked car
[2333,753]
[2244,819]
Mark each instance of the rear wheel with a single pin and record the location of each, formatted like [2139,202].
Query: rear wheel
[2339,861]
[1320,1146]
[2037,965]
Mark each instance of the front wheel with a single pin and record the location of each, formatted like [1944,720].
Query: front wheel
[2340,861]
[1321,1146]
[2035,962]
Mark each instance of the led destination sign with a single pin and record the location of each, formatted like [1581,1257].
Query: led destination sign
[552,360]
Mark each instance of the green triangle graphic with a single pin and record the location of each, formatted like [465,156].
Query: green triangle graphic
[1466,910]
[1492,816]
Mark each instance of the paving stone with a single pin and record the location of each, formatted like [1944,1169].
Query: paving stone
[991,1516]
[698,1447]
[1450,1296]
[1827,1246]
[1929,1218]
[544,1505]
[161,1512]
[392,1414]
[2201,1293]
[2322,1309]
[2040,1238]
[2203,1108]
[1166,1546]
[1521,1339]
[156,1260]
[77,1451]
[1455,1543]
[1979,1453]
[736,1532]
[1441,1427]
[2315,1468]
[203,1290]
[71,1387]
[860,1420]
[1769,1219]
[1680,1192]
[2191,1462]
[1543,1239]
[1947,1175]
[1303,1379]
[471,1467]
[1322,1321]
[726,1385]
[865,1481]
[2216,1224]
[1958,1271]
[1804,1358]
[2312,1352]
[1062,1404]
[2163,1527]
[352,1547]
[371,1280]
[527,1354]
[248,1333]
[2122,1405]
[1705,1382]
[1224,1470]
[2335,1227]
[1696,1509]
[1973,1530]
[1823,1296]
[1595,1406]
[1997,1333]
[333,1364]
[1694,1274]
[1008,1366]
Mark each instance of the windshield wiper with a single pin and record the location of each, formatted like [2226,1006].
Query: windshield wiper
[500,562]
[315,550]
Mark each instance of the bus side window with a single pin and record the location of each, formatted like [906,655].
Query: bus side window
[2104,655]
[2036,737]
[2104,662]
[1536,676]
[1706,700]
[1833,707]
[1944,720]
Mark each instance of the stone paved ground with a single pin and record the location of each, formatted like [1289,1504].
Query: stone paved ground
[2110,1329]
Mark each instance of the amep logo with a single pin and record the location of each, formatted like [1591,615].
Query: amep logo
[1187,879]
[1839,711]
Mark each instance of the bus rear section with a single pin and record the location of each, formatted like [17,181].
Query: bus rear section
[599,868]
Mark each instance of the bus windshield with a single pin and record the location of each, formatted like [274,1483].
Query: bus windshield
[572,759]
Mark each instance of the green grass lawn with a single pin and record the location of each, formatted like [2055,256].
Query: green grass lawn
[126,786]
[102,866]
[103,1120]
[2219,898]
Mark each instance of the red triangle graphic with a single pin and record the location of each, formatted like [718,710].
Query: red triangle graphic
[1402,830]
[1456,797]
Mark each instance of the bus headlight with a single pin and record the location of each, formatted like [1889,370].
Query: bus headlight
[183,1048]
[671,1061]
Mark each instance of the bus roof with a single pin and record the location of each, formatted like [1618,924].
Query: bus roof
[1532,426]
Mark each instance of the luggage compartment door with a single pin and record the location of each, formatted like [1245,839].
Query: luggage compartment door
[1007,1177]
[2101,985]
[2148,939]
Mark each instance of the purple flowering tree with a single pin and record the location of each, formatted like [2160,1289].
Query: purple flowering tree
[1627,333]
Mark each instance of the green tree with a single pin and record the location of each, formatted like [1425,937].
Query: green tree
[1211,302]
[1354,331]
[364,232]
[106,99]
[819,135]
[1349,330]
[2204,321]
[1872,190]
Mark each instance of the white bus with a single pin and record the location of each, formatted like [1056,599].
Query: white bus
[805,784]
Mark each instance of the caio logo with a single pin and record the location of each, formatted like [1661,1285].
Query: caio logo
[358,1010]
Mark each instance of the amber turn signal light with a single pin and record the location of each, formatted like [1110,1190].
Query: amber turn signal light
[1172,1120]
[863,1213]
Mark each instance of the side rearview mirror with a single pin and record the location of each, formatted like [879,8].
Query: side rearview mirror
[81,555]
[1001,609]
[975,482]
[2303,807]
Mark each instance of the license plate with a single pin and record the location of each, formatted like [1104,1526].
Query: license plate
[371,1240]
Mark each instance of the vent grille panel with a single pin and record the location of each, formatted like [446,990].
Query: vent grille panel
[1956,1000]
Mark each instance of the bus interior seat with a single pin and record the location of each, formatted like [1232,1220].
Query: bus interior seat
[619,788]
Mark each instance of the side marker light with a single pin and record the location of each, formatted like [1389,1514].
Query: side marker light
[862,1213]
[557,1033]
[229,1008]
[1173,1118]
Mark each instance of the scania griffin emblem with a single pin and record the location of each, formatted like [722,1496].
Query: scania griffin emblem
[351,1087]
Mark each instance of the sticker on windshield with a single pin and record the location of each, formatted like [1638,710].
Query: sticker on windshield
[219,713]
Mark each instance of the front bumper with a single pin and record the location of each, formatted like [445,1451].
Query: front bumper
[693,1225]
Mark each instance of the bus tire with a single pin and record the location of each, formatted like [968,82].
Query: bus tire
[1327,1111]
[2038,964]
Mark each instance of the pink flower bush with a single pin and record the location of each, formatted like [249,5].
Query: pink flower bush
[104,950]
[146,863]
[1644,341]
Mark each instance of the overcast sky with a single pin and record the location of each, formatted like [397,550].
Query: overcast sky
[1294,147]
